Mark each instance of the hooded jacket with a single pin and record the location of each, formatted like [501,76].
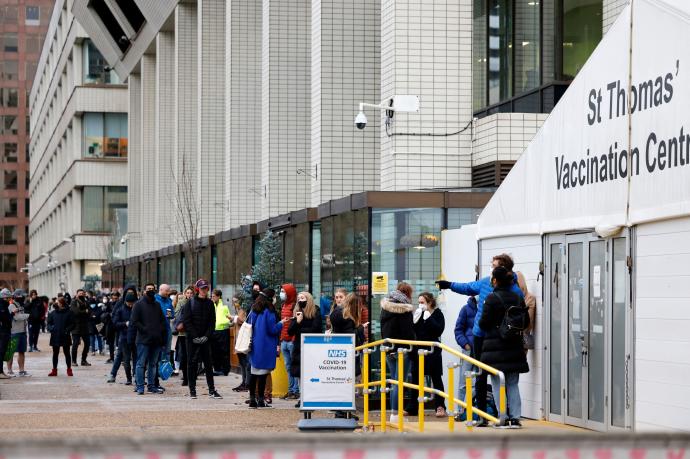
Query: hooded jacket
[286,311]
[147,318]
[396,317]
[121,316]
[465,322]
[81,312]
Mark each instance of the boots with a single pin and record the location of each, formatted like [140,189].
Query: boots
[53,373]
[69,372]
[253,403]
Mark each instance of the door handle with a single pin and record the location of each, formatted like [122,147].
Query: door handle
[585,354]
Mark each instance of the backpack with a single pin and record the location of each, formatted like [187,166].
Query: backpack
[515,320]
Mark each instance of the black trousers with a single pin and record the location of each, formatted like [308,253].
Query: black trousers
[220,351]
[56,354]
[183,357]
[199,353]
[4,342]
[253,389]
[480,381]
[75,347]
[111,346]
[34,331]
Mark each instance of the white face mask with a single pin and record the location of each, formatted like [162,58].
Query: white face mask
[283,296]
[422,306]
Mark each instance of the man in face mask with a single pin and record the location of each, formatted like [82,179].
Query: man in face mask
[80,332]
[148,319]
[125,348]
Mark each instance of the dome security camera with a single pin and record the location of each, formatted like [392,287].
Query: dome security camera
[361,120]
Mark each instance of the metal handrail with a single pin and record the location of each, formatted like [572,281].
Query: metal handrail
[382,383]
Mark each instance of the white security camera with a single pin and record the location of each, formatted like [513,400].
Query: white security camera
[123,240]
[361,120]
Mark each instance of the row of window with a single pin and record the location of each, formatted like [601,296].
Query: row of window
[9,208]
[9,70]
[99,206]
[9,125]
[105,135]
[10,15]
[9,152]
[10,43]
[8,262]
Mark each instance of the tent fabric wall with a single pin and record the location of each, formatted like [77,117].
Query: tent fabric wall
[527,253]
[536,198]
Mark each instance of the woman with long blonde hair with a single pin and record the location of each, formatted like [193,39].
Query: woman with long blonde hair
[306,319]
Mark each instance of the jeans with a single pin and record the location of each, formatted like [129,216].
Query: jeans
[245,368]
[75,347]
[392,363]
[514,407]
[286,348]
[96,342]
[147,356]
[125,355]
[464,367]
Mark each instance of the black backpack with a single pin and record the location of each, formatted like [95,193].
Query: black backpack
[515,320]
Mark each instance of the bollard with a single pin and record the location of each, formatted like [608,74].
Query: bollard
[401,394]
[502,402]
[420,391]
[365,380]
[468,400]
[451,396]
[382,389]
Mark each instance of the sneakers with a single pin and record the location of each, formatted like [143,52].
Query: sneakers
[192,394]
[185,383]
[111,379]
[261,404]
[253,404]
[53,372]
[292,396]
[140,391]
[155,390]
[482,423]
[440,412]
[4,376]
[214,394]
[128,383]
[74,363]
[109,361]
[23,374]
[84,363]
[69,372]
[514,423]
[240,388]
[37,349]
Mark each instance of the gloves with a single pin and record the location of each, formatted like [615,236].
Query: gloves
[443,284]
[417,314]
[200,340]
[426,315]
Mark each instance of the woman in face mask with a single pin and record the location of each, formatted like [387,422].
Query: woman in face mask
[306,319]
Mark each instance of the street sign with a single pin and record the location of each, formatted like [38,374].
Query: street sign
[328,372]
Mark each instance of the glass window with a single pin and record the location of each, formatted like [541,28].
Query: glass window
[9,180]
[34,43]
[9,42]
[500,41]
[99,206]
[527,46]
[462,216]
[8,125]
[33,15]
[316,259]
[297,257]
[132,13]
[619,359]
[479,54]
[10,70]
[582,31]
[105,135]
[8,14]
[30,67]
[9,97]
[9,235]
[8,262]
[8,207]
[9,153]
[110,23]
[96,69]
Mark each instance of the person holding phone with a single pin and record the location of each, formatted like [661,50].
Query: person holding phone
[307,319]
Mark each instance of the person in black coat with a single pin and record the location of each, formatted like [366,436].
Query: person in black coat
[506,355]
[307,319]
[80,332]
[60,325]
[397,323]
[429,324]
[126,347]
[37,311]
[148,320]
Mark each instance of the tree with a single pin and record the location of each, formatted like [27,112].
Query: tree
[188,217]
[269,269]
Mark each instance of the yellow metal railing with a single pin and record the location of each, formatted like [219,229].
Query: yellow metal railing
[386,345]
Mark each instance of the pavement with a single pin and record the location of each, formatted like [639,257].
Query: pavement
[85,406]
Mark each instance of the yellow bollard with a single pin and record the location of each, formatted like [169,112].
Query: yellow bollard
[280,378]
[383,390]
[365,380]
[401,394]
[420,391]
[468,400]
[451,398]
[502,400]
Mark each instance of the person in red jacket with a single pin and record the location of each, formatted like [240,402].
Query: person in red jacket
[288,295]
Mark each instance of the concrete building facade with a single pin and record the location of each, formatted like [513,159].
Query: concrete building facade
[78,157]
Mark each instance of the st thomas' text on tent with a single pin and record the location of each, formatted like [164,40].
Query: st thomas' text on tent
[659,153]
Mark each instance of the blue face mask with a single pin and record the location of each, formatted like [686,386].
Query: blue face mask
[93,306]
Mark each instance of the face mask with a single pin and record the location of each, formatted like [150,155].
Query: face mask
[93,306]
[302,304]
[151,294]
[283,296]
[422,306]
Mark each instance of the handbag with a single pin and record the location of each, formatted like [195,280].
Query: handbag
[243,343]
[11,349]
[165,369]
[528,341]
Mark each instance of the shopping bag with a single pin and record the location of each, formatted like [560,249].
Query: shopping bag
[165,369]
[11,349]
[244,338]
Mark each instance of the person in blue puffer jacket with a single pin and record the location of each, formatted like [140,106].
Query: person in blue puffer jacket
[482,288]
[262,356]
[465,339]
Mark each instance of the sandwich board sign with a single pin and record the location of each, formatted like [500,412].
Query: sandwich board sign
[327,372]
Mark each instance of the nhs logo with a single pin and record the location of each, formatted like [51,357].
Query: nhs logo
[337,353]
